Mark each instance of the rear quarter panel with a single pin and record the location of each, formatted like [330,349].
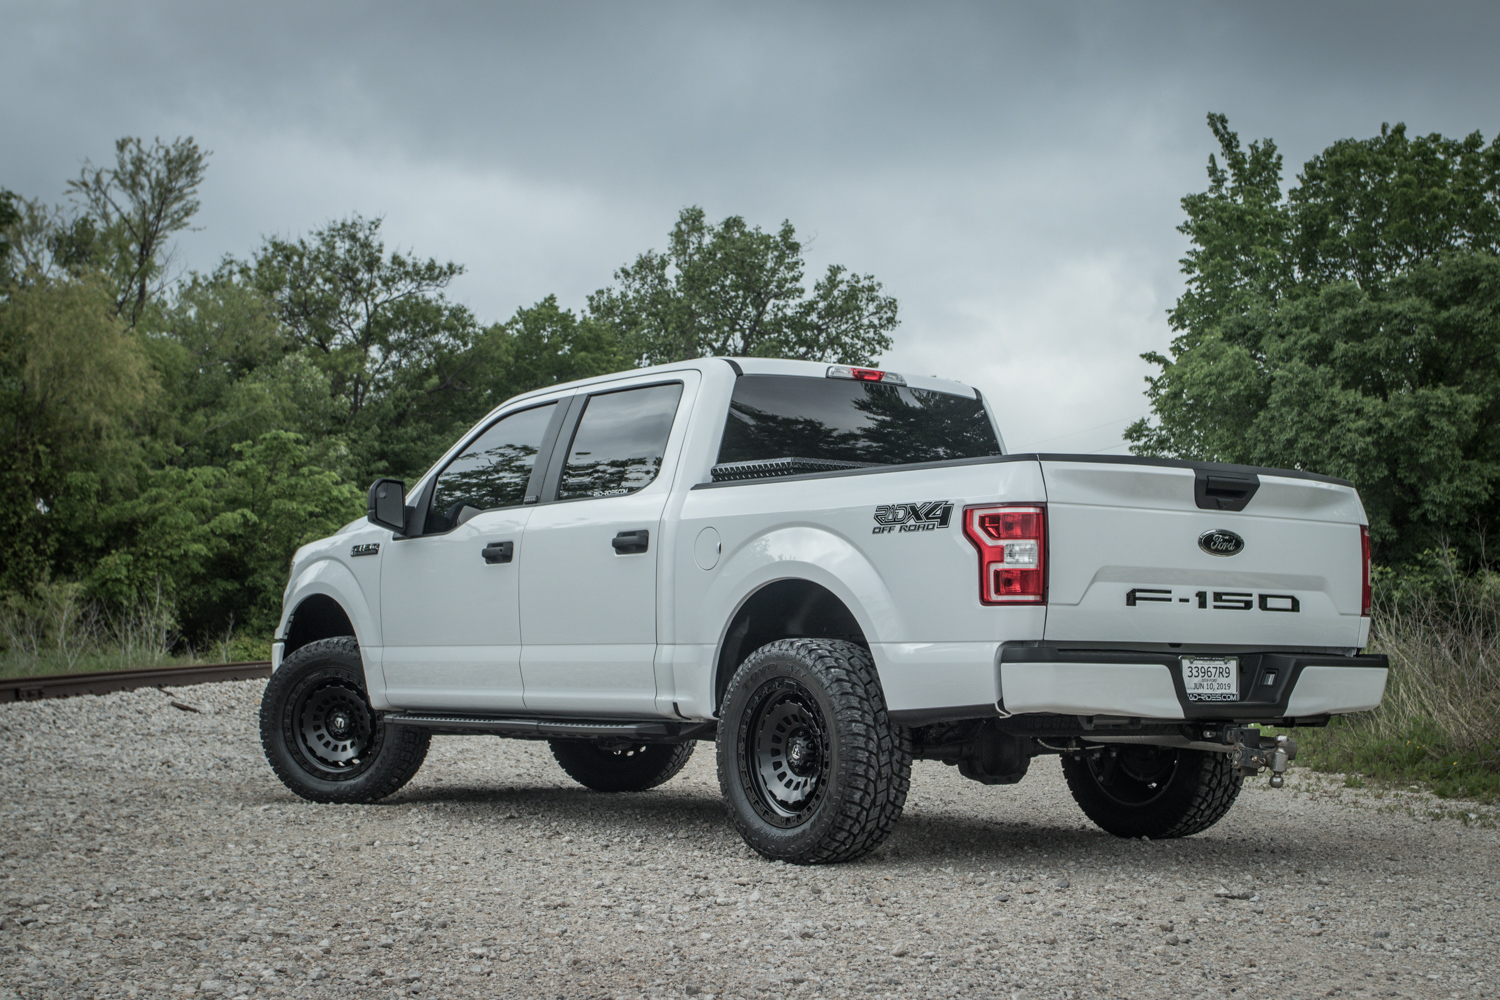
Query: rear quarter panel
[915,593]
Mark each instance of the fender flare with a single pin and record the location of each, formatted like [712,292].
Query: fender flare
[330,578]
[799,552]
[804,552]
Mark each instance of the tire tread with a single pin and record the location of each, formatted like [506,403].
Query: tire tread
[876,756]
[402,751]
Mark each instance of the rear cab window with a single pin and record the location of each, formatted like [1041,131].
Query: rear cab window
[793,424]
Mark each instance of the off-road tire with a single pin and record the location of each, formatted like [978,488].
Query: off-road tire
[297,716]
[631,769]
[1196,794]
[819,699]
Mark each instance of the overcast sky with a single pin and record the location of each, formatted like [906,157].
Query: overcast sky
[1011,173]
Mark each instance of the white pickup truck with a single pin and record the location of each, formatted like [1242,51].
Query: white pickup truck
[829,571]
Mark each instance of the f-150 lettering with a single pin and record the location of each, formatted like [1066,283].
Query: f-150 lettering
[1223,600]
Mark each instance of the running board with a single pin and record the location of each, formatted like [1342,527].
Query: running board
[550,729]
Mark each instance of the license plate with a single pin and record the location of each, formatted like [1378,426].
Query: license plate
[1211,678]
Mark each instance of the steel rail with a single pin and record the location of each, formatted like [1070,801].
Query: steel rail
[106,681]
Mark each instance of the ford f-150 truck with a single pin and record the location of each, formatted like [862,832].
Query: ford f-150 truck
[829,571]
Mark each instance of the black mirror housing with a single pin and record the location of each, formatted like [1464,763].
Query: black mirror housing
[387,505]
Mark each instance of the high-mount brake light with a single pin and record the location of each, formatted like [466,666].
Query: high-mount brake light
[1364,548]
[1012,544]
[865,374]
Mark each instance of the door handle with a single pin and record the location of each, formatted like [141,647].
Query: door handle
[499,552]
[627,542]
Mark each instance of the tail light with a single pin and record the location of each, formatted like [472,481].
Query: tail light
[1012,544]
[1364,547]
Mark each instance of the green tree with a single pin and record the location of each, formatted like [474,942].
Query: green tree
[1350,327]
[10,214]
[231,372]
[131,211]
[74,383]
[395,351]
[218,538]
[732,289]
[544,345]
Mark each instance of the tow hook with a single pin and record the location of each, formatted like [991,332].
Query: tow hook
[1255,752]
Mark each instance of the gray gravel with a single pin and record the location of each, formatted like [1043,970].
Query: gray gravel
[146,850]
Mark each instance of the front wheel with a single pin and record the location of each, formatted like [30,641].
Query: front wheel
[1131,790]
[320,734]
[810,764]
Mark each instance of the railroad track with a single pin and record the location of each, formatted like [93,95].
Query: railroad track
[105,681]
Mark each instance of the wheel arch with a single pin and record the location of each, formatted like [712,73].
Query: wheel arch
[317,616]
[325,601]
[788,608]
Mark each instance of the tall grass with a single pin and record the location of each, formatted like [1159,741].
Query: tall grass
[1439,723]
[60,629]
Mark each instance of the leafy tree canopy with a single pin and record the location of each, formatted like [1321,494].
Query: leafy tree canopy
[10,214]
[130,211]
[1349,326]
[732,289]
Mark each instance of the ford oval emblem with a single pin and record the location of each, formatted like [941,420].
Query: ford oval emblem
[1221,543]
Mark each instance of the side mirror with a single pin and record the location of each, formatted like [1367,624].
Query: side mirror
[387,505]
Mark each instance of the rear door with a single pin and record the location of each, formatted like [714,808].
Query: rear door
[1205,555]
[588,589]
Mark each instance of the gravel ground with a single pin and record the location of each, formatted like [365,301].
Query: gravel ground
[147,850]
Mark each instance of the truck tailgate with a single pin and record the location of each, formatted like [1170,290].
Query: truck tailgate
[1157,553]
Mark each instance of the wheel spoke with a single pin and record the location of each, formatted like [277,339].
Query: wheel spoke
[786,754]
[334,726]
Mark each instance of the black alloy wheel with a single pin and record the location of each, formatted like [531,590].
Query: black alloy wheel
[320,734]
[784,753]
[335,726]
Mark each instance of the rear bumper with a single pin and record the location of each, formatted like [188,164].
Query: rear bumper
[1273,686]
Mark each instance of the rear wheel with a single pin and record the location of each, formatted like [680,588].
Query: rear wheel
[630,768]
[320,734]
[811,766]
[1131,790]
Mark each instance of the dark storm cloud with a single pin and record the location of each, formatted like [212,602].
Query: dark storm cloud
[1011,172]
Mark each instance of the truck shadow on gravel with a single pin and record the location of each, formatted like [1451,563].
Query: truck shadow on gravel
[692,820]
[984,843]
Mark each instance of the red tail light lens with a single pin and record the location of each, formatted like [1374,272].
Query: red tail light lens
[1364,547]
[1012,544]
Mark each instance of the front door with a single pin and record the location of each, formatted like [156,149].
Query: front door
[449,597]
[588,589]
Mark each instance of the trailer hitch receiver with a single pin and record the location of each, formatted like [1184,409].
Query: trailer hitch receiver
[1255,752]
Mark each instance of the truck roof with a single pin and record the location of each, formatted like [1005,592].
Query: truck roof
[752,366]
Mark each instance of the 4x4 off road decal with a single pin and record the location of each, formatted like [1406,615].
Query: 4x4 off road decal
[928,515]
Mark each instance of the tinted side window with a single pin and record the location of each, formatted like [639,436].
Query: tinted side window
[491,472]
[620,440]
[842,420]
